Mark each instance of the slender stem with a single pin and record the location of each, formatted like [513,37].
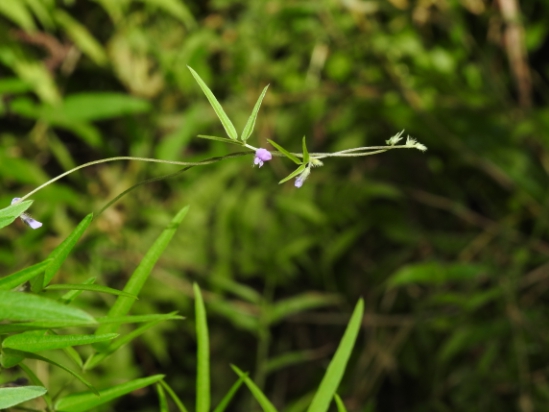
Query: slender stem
[139,159]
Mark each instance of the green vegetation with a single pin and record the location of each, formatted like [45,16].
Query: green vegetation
[189,280]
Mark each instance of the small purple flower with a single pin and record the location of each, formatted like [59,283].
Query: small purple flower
[25,217]
[299,181]
[262,155]
[302,177]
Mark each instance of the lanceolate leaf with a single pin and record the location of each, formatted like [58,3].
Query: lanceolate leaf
[229,396]
[305,151]
[85,401]
[227,124]
[250,124]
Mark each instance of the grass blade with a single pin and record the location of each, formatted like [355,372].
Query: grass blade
[17,306]
[256,392]
[18,278]
[305,151]
[220,139]
[340,404]
[61,252]
[84,401]
[123,304]
[174,397]
[229,396]
[250,124]
[203,355]
[336,368]
[225,121]
[162,401]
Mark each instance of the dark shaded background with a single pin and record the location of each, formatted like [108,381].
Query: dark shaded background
[448,248]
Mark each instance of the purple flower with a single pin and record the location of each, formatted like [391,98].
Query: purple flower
[302,177]
[299,181]
[262,155]
[25,217]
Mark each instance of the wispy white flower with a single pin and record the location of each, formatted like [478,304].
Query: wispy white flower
[411,142]
[395,139]
[26,218]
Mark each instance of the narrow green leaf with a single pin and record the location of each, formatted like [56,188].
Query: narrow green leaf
[14,396]
[119,320]
[84,401]
[17,306]
[174,397]
[336,368]
[256,392]
[203,354]
[296,172]
[229,395]
[340,404]
[305,151]
[221,139]
[162,401]
[290,156]
[61,252]
[123,304]
[90,288]
[16,11]
[18,278]
[227,124]
[250,124]
[32,343]
[12,212]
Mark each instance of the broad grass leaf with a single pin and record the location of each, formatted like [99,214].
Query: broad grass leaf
[33,343]
[336,368]
[203,354]
[260,397]
[18,278]
[17,306]
[85,401]
[14,396]
[123,304]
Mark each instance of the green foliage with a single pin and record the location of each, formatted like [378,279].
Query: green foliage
[448,249]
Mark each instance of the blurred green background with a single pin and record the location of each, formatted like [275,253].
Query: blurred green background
[448,248]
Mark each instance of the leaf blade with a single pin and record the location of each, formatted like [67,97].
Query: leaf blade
[203,354]
[250,124]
